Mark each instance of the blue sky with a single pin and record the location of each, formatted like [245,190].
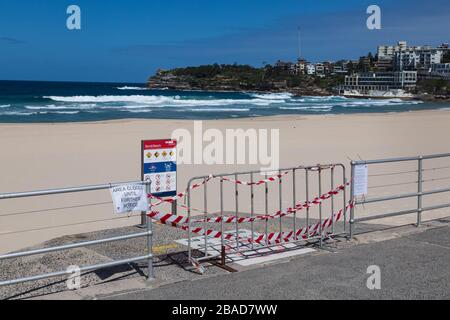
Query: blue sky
[126,41]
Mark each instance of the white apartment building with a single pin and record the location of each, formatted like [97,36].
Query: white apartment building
[441,70]
[417,58]
[310,69]
[300,66]
[340,67]
[406,57]
[388,52]
[319,68]
[285,66]
[382,81]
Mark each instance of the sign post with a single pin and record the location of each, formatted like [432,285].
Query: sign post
[159,166]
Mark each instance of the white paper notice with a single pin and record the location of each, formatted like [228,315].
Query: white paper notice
[129,197]
[360,180]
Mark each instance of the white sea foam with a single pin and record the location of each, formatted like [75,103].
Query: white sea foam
[381,103]
[240,104]
[219,109]
[62,107]
[17,113]
[309,107]
[322,98]
[163,101]
[47,107]
[136,110]
[66,112]
[273,96]
[131,88]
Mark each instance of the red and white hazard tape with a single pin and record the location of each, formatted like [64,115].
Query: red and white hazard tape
[173,220]
[276,237]
[241,182]
[273,237]
[257,183]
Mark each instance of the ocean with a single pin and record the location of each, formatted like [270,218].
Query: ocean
[36,101]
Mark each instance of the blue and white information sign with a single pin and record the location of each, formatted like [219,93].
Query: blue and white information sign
[159,164]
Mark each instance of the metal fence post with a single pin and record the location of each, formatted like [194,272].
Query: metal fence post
[149,224]
[344,198]
[252,208]
[222,240]
[294,203]
[236,190]
[352,209]
[280,192]
[266,208]
[188,196]
[307,201]
[419,190]
[205,213]
[320,207]
[332,199]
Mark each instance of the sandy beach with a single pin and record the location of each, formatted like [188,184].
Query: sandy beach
[42,156]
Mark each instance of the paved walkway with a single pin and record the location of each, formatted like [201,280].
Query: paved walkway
[413,266]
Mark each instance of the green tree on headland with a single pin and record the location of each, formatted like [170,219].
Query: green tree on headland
[435,86]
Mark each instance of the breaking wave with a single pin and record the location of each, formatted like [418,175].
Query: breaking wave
[108,104]
[273,96]
[131,88]
[163,101]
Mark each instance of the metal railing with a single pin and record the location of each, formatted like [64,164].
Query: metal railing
[419,181]
[310,174]
[148,234]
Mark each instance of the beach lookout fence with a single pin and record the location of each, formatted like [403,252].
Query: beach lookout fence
[234,216]
[146,233]
[401,191]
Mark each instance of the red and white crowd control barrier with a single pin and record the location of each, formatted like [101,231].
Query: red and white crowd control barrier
[182,222]
[171,219]
[272,238]
[241,182]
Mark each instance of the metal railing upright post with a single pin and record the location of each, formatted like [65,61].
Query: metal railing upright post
[149,224]
[222,247]
[352,190]
[252,208]
[307,201]
[266,207]
[332,199]
[294,203]
[205,213]
[419,190]
[319,174]
[280,192]
[237,211]
[188,195]
[344,198]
